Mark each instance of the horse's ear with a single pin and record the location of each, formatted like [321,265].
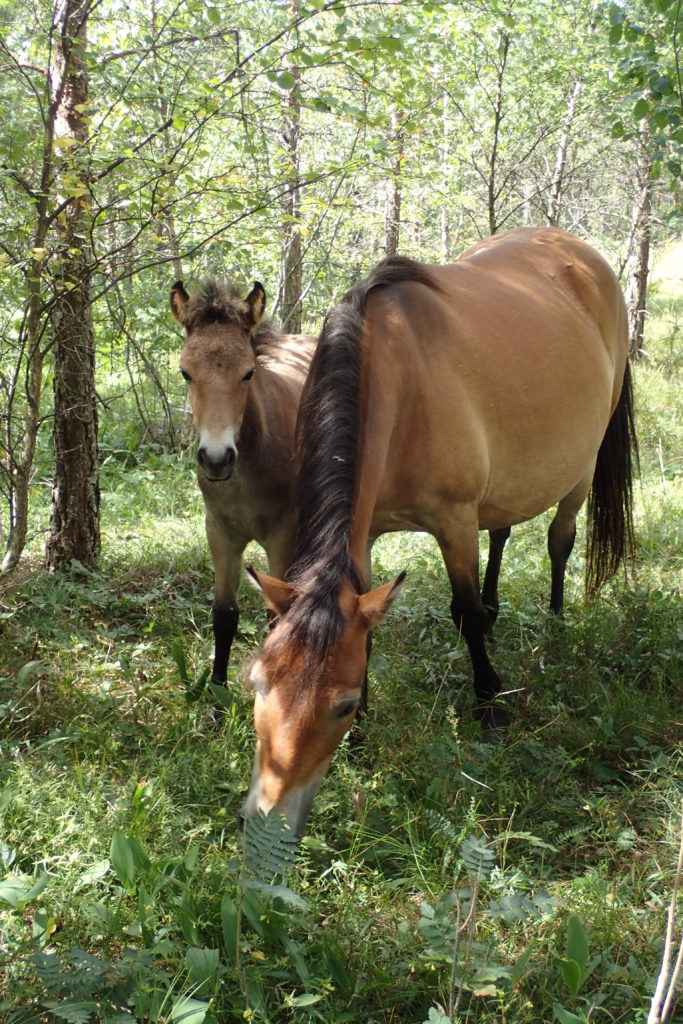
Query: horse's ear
[277,594]
[374,606]
[256,300]
[179,300]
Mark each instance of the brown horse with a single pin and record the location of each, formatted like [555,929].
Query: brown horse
[244,383]
[450,399]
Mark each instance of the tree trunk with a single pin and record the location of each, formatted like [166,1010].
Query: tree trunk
[445,156]
[75,520]
[31,341]
[553,209]
[498,116]
[392,222]
[637,266]
[186,425]
[291,241]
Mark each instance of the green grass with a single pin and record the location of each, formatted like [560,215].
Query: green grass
[120,862]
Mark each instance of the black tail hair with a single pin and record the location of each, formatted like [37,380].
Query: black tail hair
[610,540]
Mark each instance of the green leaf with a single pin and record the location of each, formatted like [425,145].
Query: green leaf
[13,891]
[189,1011]
[194,691]
[127,858]
[573,975]
[7,855]
[281,892]
[229,924]
[306,999]
[390,43]
[37,887]
[565,1017]
[189,920]
[271,846]
[221,695]
[577,941]
[437,1017]
[202,966]
[72,1011]
[286,80]
[641,109]
[26,671]
[615,34]
[477,856]
[338,969]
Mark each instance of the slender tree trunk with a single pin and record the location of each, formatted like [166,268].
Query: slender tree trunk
[445,154]
[557,183]
[554,199]
[637,266]
[497,122]
[31,340]
[186,427]
[291,240]
[75,520]
[21,460]
[392,221]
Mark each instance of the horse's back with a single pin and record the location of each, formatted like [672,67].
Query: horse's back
[503,377]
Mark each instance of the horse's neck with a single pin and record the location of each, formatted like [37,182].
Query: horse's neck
[267,434]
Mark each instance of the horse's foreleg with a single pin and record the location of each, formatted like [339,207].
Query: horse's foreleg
[227,564]
[489,594]
[561,536]
[225,621]
[460,553]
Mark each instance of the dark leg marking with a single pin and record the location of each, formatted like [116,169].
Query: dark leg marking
[560,544]
[489,594]
[225,621]
[472,619]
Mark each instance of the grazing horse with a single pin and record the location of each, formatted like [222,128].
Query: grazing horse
[244,382]
[450,399]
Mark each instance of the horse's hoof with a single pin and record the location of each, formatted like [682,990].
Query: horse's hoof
[495,720]
[209,720]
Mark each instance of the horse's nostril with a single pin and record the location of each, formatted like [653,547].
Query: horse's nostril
[201,456]
[241,821]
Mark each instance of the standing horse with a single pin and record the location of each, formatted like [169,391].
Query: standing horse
[244,383]
[450,399]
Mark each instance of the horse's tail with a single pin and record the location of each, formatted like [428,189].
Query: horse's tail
[610,539]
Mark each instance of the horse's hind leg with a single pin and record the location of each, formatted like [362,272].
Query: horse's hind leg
[561,537]
[489,593]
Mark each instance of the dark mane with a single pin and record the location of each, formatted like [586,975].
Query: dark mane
[327,435]
[221,302]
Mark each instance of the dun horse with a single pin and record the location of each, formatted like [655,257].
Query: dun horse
[244,382]
[450,399]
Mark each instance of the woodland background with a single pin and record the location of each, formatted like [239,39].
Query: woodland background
[297,143]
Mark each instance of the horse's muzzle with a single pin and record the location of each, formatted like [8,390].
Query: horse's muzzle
[217,469]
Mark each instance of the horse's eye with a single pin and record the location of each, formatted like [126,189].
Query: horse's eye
[249,374]
[185,375]
[344,709]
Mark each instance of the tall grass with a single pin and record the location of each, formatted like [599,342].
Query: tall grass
[521,883]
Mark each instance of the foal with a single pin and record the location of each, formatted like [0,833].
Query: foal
[244,381]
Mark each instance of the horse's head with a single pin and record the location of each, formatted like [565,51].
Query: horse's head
[303,704]
[218,361]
